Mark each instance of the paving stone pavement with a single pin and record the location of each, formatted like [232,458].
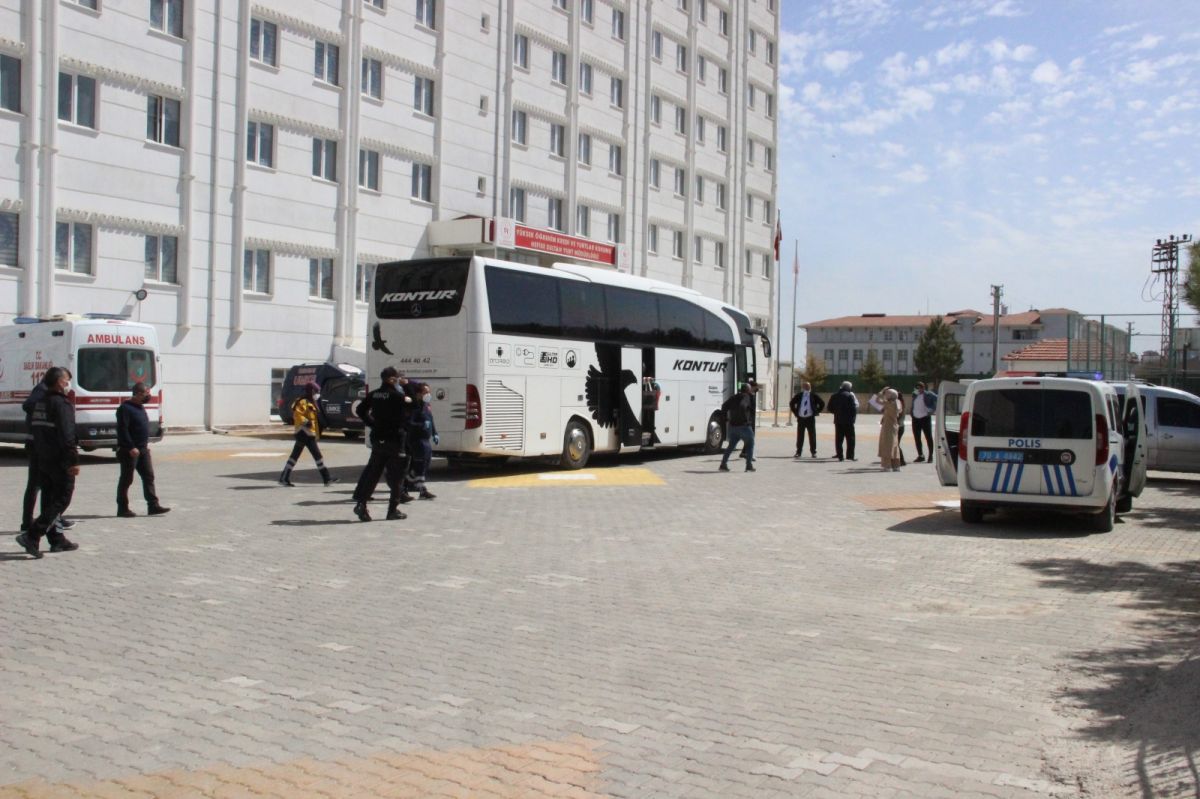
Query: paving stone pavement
[657,629]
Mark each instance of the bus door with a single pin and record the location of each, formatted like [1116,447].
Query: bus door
[629,405]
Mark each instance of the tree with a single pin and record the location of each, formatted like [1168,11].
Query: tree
[815,372]
[938,355]
[871,376]
[1191,283]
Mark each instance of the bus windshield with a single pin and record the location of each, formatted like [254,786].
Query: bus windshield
[114,368]
[421,289]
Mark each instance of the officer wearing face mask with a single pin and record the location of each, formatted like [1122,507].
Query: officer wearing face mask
[385,413]
[422,436]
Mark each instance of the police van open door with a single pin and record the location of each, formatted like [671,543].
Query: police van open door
[1136,438]
[946,436]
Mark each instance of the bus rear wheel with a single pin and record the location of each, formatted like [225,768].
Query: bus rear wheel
[577,446]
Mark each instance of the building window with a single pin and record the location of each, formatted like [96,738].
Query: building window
[585,149]
[766,212]
[887,357]
[681,58]
[828,356]
[423,96]
[697,250]
[701,68]
[260,143]
[719,254]
[324,159]
[10,83]
[842,357]
[721,201]
[558,68]
[748,266]
[722,138]
[585,79]
[380,4]
[560,4]
[422,182]
[427,13]
[656,109]
[750,150]
[750,206]
[521,51]
[86,3]
[10,239]
[264,42]
[656,45]
[614,228]
[162,259]
[723,22]
[516,203]
[766,265]
[368,169]
[655,173]
[616,163]
[320,278]
[680,182]
[77,99]
[652,236]
[364,278]
[723,80]
[770,52]
[680,119]
[752,41]
[73,247]
[700,129]
[751,93]
[167,16]
[162,120]
[676,243]
[587,10]
[325,66]
[702,10]
[256,271]
[699,188]
[887,335]
[616,94]
[769,100]
[519,127]
[558,135]
[583,220]
[769,158]
[372,78]
[902,357]
[618,24]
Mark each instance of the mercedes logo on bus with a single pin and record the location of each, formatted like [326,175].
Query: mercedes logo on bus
[415,309]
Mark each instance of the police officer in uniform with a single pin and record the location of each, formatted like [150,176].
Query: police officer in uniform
[53,427]
[386,412]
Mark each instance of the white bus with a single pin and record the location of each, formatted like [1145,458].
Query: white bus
[567,360]
[106,354]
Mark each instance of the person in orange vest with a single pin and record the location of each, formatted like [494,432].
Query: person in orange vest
[306,419]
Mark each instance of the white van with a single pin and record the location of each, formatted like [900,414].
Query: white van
[106,355]
[1173,424]
[1057,443]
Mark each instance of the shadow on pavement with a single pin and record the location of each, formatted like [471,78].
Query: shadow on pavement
[1010,525]
[1146,695]
[312,522]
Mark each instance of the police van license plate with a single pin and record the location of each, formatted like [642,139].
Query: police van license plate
[1000,455]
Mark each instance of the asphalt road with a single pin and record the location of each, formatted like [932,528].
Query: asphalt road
[647,627]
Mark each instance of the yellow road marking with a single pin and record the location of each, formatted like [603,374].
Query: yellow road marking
[625,476]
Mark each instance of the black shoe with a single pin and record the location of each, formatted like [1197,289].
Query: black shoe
[920,459]
[286,482]
[427,495]
[851,459]
[722,468]
[125,513]
[405,498]
[64,546]
[25,527]
[750,468]
[331,481]
[360,510]
[30,546]
[840,458]
[158,510]
[395,515]
[798,455]
[65,524]
[812,454]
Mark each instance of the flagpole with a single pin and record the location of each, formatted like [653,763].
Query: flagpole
[778,311]
[795,283]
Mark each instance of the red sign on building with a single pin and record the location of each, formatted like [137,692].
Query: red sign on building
[555,243]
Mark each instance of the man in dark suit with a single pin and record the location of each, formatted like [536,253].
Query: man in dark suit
[805,407]
[844,407]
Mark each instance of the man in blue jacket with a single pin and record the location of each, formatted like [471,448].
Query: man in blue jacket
[133,453]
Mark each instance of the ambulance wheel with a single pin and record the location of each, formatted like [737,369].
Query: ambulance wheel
[577,446]
[971,514]
[714,437]
[1103,521]
[1125,504]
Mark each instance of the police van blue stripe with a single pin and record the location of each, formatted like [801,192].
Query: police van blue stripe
[1062,490]
[1008,470]
[1046,478]
[996,476]
[1071,480]
[1017,482]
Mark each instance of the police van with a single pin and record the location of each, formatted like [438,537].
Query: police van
[106,355]
[1055,443]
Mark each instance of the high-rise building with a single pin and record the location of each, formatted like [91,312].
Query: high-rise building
[247,162]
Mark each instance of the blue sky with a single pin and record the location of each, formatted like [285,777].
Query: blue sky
[929,149]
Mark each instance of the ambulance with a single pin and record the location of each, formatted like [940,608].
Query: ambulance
[1052,443]
[106,355]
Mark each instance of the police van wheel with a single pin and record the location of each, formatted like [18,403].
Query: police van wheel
[971,514]
[714,437]
[1103,521]
[577,446]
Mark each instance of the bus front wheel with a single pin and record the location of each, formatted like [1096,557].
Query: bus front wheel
[577,446]
[714,437]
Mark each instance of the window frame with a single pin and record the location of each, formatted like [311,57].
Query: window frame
[158,118]
[10,226]
[370,165]
[324,153]
[254,144]
[584,149]
[320,279]
[75,100]
[10,83]
[521,51]
[520,127]
[259,29]
[372,78]
[252,277]
[171,17]
[423,95]
[72,260]
[422,182]
[426,14]
[558,67]
[156,269]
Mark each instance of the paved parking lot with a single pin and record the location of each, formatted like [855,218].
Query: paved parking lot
[648,627]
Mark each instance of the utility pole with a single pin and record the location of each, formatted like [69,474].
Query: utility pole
[795,283]
[1164,260]
[997,293]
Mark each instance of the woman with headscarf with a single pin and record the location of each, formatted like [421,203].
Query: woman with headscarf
[305,417]
[889,429]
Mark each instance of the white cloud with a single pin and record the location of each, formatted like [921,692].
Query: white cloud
[1141,71]
[1005,8]
[913,100]
[893,149]
[914,174]
[953,158]
[1148,42]
[838,61]
[1047,73]
[857,14]
[811,93]
[999,50]
[953,53]
[1119,29]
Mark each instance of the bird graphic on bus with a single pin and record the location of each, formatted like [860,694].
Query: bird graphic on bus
[378,342]
[605,387]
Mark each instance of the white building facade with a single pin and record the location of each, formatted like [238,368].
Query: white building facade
[247,162]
